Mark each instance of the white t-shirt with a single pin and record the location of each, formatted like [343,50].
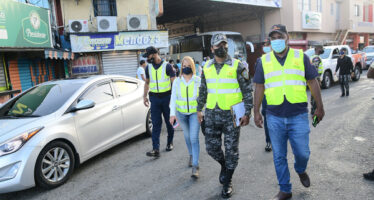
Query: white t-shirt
[140,72]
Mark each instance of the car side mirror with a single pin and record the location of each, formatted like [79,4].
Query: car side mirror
[84,104]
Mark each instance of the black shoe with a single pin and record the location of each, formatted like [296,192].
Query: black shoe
[227,190]
[342,95]
[347,94]
[153,153]
[304,179]
[369,176]
[222,174]
[268,147]
[169,147]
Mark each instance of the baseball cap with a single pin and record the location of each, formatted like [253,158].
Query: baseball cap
[150,50]
[218,38]
[278,28]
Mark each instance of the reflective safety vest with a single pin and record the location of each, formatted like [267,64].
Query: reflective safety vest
[287,81]
[159,81]
[186,95]
[320,65]
[223,88]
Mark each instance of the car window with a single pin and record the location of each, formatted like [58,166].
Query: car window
[335,53]
[99,94]
[124,87]
[40,101]
[369,50]
[309,52]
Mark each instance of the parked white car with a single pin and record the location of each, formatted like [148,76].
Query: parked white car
[46,131]
[369,50]
[329,61]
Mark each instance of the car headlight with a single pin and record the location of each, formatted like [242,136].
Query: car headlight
[16,143]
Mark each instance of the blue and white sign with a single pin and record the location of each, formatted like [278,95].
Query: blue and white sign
[118,41]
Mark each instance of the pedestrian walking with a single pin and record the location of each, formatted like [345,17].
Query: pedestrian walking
[159,78]
[224,83]
[316,61]
[345,67]
[183,108]
[266,49]
[283,75]
[175,67]
[140,74]
[179,65]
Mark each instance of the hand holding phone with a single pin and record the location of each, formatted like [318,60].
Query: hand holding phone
[175,124]
[315,121]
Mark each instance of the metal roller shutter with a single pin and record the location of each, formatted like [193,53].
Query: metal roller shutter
[2,75]
[120,63]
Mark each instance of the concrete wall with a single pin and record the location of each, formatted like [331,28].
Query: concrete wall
[357,23]
[84,10]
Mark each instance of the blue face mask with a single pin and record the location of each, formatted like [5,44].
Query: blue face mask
[278,45]
[266,49]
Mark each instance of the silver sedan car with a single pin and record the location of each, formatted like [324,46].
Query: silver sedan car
[48,130]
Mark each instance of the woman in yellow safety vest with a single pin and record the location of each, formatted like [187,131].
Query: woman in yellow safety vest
[183,108]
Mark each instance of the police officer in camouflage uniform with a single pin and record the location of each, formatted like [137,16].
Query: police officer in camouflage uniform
[224,82]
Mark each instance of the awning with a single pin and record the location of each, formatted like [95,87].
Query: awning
[58,54]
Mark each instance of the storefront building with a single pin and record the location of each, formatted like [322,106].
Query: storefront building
[26,49]
[113,53]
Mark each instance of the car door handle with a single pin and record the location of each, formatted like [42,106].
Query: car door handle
[115,108]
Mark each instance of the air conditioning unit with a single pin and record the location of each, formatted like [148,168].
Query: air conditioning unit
[78,26]
[137,22]
[107,23]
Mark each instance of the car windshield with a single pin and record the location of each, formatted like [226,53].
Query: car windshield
[39,101]
[369,50]
[325,55]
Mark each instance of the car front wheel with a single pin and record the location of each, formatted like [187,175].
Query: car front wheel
[357,75]
[54,165]
[149,124]
[326,82]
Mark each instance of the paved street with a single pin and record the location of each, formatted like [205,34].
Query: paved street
[341,150]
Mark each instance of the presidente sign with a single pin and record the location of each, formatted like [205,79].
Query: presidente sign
[118,41]
[24,26]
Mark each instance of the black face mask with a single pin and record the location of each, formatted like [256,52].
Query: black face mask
[187,70]
[220,52]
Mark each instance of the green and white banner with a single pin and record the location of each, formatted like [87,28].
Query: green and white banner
[24,26]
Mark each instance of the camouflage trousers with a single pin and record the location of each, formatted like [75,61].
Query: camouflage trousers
[217,123]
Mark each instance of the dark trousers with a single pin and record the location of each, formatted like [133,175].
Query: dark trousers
[263,112]
[218,124]
[159,107]
[344,83]
[267,138]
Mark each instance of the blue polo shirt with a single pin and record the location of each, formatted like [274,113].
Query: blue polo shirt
[286,109]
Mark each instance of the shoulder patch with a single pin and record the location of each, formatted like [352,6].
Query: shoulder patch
[245,74]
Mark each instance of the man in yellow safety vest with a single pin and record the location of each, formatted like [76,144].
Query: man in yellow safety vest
[159,77]
[283,75]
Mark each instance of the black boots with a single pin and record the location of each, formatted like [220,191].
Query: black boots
[227,189]
[223,171]
[153,153]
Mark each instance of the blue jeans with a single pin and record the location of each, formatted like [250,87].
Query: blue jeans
[296,129]
[263,112]
[159,107]
[191,129]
